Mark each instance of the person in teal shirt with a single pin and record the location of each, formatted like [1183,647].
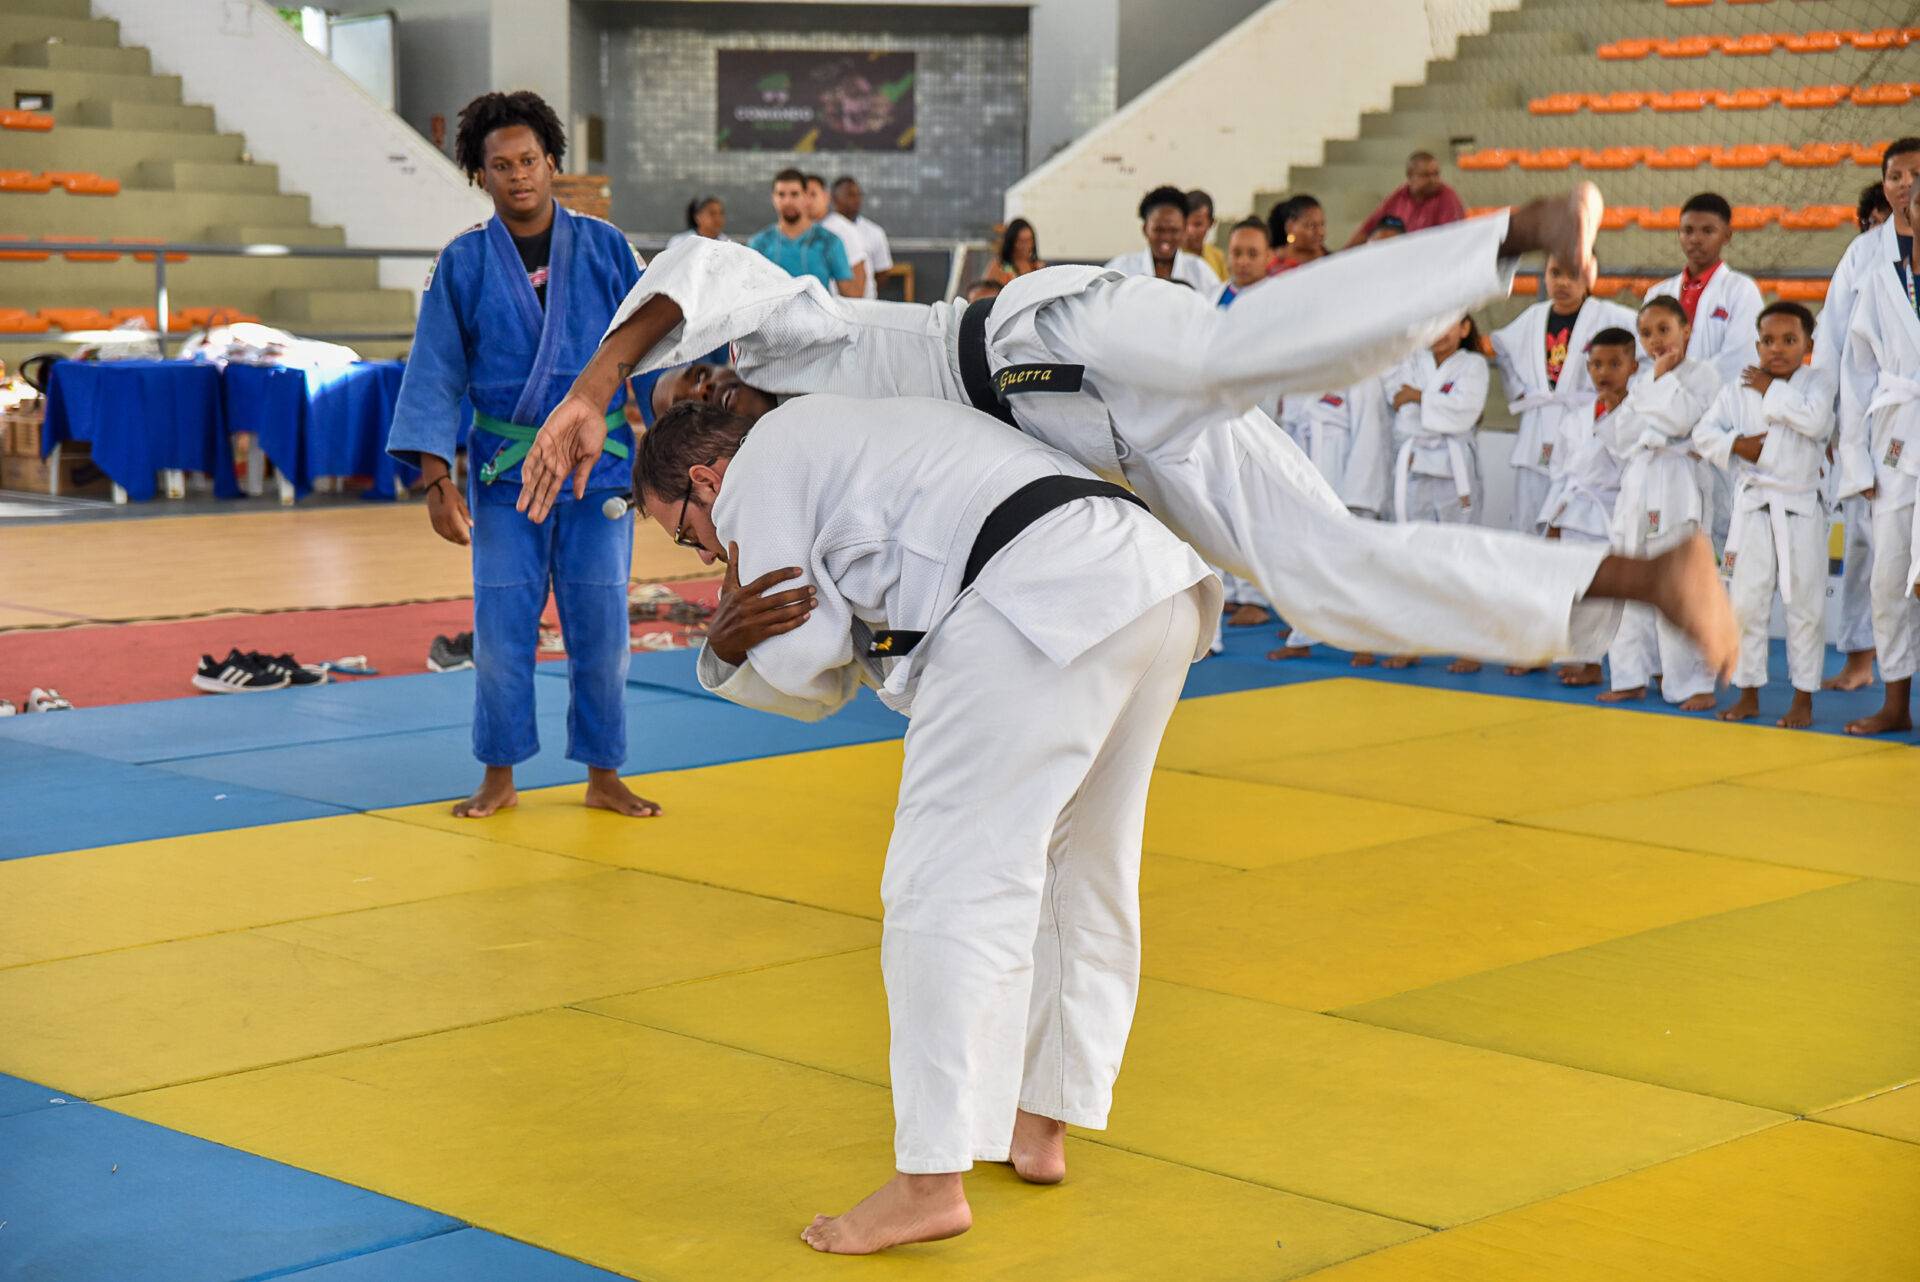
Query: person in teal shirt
[798,245]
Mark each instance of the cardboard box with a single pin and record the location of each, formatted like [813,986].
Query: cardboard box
[79,478]
[20,431]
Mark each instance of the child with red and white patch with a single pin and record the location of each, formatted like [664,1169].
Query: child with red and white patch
[1662,504]
[1591,446]
[1770,433]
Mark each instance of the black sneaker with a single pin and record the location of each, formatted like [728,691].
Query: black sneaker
[236,674]
[286,665]
[451,654]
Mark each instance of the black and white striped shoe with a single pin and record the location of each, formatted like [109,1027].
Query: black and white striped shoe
[236,674]
[285,665]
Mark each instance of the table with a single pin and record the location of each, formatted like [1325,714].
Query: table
[141,418]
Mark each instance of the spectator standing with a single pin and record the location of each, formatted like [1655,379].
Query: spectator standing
[795,243]
[1199,239]
[848,203]
[821,212]
[1019,253]
[1163,223]
[1422,201]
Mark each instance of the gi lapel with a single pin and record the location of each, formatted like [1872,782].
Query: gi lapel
[547,329]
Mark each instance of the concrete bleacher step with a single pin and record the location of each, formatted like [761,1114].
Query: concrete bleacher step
[203,280]
[331,308]
[106,113]
[33,28]
[171,215]
[264,234]
[116,153]
[71,88]
[1584,73]
[110,59]
[1605,20]
[47,8]
[209,176]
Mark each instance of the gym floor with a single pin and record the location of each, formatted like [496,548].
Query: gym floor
[1448,978]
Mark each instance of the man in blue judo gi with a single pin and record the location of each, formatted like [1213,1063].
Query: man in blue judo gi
[513,308]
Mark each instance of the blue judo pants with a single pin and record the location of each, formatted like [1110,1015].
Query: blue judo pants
[585,559]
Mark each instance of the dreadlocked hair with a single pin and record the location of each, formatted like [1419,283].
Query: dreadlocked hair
[690,434]
[491,111]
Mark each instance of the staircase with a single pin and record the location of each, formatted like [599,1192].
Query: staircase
[180,180]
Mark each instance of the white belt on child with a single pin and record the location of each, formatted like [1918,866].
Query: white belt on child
[1457,458]
[1631,538]
[1890,391]
[1756,491]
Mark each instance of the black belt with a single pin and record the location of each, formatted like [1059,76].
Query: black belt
[988,391]
[1009,518]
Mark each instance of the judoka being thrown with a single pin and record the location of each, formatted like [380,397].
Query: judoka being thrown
[1036,623]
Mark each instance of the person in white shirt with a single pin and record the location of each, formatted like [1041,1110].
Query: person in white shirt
[1662,504]
[861,286]
[1542,358]
[706,216]
[1036,624]
[848,201]
[1879,459]
[1163,221]
[1771,433]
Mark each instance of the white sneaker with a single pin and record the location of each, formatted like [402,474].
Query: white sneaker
[7,709]
[39,700]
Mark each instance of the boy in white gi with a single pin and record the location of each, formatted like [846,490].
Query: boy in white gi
[1771,433]
[1138,380]
[1879,437]
[1542,358]
[1580,505]
[1036,624]
[1662,505]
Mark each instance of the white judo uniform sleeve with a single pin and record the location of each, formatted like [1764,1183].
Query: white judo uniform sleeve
[1879,435]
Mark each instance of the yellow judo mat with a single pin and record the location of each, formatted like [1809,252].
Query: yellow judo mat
[1438,986]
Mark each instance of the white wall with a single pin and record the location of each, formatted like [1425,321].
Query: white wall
[1260,99]
[360,164]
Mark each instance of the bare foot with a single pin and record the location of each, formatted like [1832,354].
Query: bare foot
[1894,715]
[1698,703]
[1039,1152]
[1395,662]
[1622,696]
[1855,674]
[1515,670]
[907,1208]
[1745,708]
[1463,667]
[1580,674]
[1290,652]
[1561,226]
[1687,589]
[494,793]
[1361,661]
[1799,712]
[1248,615]
[606,791]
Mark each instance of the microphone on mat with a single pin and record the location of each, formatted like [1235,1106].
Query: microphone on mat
[617,506]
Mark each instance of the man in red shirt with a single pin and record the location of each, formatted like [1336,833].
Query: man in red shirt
[1420,202]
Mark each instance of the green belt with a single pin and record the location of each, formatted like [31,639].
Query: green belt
[520,440]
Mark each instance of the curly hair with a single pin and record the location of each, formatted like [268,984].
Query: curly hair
[491,111]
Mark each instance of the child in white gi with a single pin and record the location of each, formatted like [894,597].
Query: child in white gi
[1662,504]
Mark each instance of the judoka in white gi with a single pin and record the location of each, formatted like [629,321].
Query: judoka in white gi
[1770,432]
[1879,438]
[1163,222]
[1036,625]
[1542,358]
[1662,504]
[1140,381]
[1890,239]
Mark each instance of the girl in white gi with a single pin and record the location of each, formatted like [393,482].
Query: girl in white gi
[1136,379]
[1437,397]
[1542,358]
[1771,434]
[1579,507]
[1036,624]
[1662,505]
[1879,436]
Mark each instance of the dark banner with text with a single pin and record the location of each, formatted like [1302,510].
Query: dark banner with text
[809,100]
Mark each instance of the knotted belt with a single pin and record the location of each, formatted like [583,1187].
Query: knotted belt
[520,440]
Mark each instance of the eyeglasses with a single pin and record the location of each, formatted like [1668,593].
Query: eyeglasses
[680,536]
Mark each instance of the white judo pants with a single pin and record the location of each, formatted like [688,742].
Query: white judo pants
[1896,614]
[1756,576]
[1648,644]
[1529,496]
[1246,497]
[1856,591]
[1435,500]
[1010,944]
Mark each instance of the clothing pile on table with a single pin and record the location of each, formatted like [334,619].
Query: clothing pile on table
[247,343]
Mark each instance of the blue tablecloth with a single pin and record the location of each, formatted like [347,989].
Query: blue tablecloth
[141,417]
[330,422]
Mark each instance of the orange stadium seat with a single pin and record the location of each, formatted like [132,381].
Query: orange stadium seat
[1868,155]
[1624,50]
[89,255]
[15,321]
[27,121]
[19,180]
[1485,160]
[71,318]
[1796,291]
[1746,156]
[1481,211]
[1616,104]
[204,317]
[120,315]
[1546,158]
[1681,99]
[1754,217]
[1882,95]
[1620,217]
[1609,286]
[1816,155]
[1558,104]
[1687,46]
[1817,96]
[1749,1]
[83,184]
[1525,284]
[1810,41]
[1751,45]
[1687,4]
[1665,218]
[22,255]
[1612,158]
[1883,38]
[1746,99]
[1680,157]
[1817,218]
[147,240]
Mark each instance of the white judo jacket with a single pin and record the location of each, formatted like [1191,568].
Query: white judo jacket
[1880,391]
[1725,321]
[1520,353]
[1593,451]
[879,502]
[1434,434]
[1796,417]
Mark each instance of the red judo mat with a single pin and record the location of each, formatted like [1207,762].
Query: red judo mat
[99,664]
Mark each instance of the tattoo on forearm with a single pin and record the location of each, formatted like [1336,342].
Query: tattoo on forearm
[626,369]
